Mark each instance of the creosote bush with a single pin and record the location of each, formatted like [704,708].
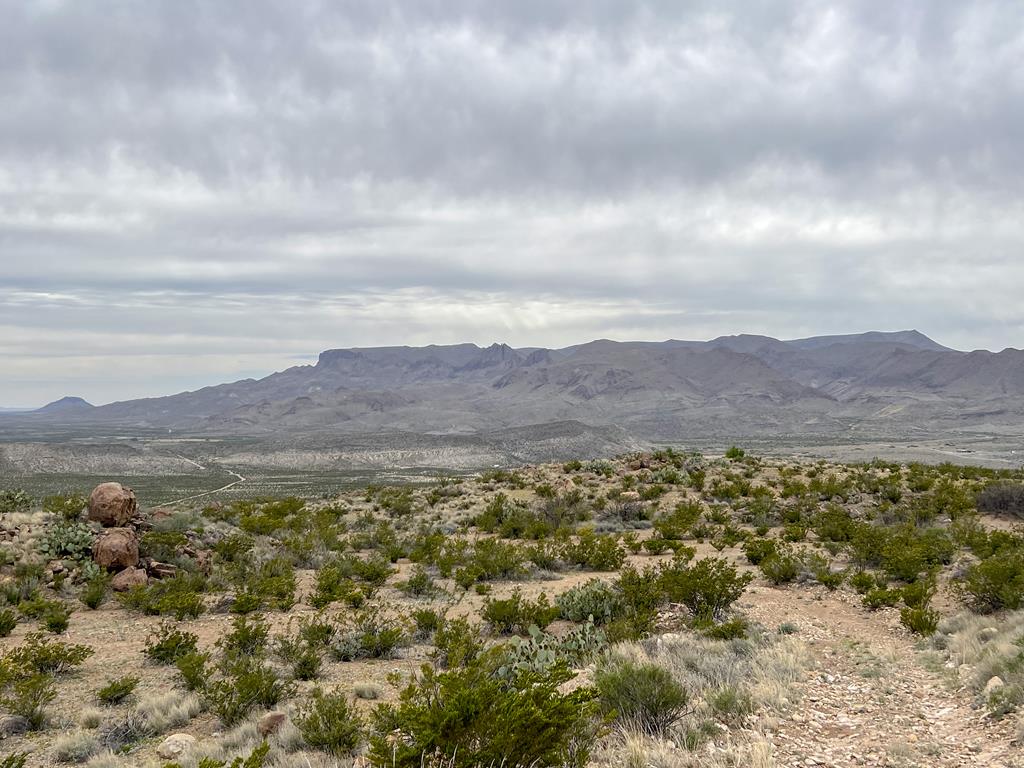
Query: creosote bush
[644,696]
[329,724]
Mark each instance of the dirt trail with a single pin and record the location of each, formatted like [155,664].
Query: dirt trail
[872,700]
[194,496]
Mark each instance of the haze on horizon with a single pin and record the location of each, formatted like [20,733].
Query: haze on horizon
[193,193]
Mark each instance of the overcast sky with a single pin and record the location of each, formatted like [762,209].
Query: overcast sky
[194,192]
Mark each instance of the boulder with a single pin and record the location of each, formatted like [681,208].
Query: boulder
[128,578]
[112,505]
[116,548]
[270,723]
[160,570]
[176,745]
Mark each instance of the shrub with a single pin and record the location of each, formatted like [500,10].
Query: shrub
[14,500]
[178,596]
[457,643]
[67,506]
[27,695]
[116,691]
[248,683]
[758,550]
[678,523]
[594,599]
[328,724]
[643,695]
[922,620]
[303,656]
[995,583]
[14,760]
[247,639]
[57,618]
[419,584]
[642,594]
[48,657]
[707,588]
[370,634]
[255,759]
[95,591]
[596,552]
[727,630]
[8,621]
[880,597]
[193,668]
[427,622]
[517,614]
[781,568]
[1001,498]
[167,644]
[468,716]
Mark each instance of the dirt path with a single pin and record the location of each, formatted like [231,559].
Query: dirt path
[239,479]
[872,699]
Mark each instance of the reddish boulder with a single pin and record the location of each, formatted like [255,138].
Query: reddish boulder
[116,548]
[112,505]
[129,578]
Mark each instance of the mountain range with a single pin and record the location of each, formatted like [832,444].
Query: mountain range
[873,383]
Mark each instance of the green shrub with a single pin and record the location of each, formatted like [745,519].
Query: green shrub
[95,591]
[419,584]
[57,618]
[248,683]
[922,620]
[8,621]
[162,545]
[994,584]
[758,550]
[593,599]
[255,759]
[677,524]
[27,695]
[732,629]
[67,506]
[517,614]
[328,724]
[14,500]
[880,597]
[302,655]
[37,654]
[468,716]
[247,639]
[14,760]
[116,691]
[595,552]
[643,695]
[178,596]
[707,588]
[781,568]
[457,643]
[370,634]
[193,667]
[167,644]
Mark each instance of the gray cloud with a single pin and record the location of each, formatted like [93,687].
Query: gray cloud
[191,191]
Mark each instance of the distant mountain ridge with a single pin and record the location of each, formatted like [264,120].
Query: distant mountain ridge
[744,384]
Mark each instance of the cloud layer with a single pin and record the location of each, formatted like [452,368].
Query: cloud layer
[195,191]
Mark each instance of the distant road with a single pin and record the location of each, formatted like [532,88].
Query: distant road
[240,479]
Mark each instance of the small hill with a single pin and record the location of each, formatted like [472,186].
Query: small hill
[66,405]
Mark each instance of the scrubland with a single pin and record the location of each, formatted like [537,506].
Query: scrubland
[659,609]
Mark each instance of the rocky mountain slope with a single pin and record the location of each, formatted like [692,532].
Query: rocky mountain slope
[878,383]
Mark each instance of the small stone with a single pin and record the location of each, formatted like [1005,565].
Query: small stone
[12,725]
[993,685]
[176,745]
[128,578]
[270,723]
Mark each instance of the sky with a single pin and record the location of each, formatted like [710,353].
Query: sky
[195,192]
